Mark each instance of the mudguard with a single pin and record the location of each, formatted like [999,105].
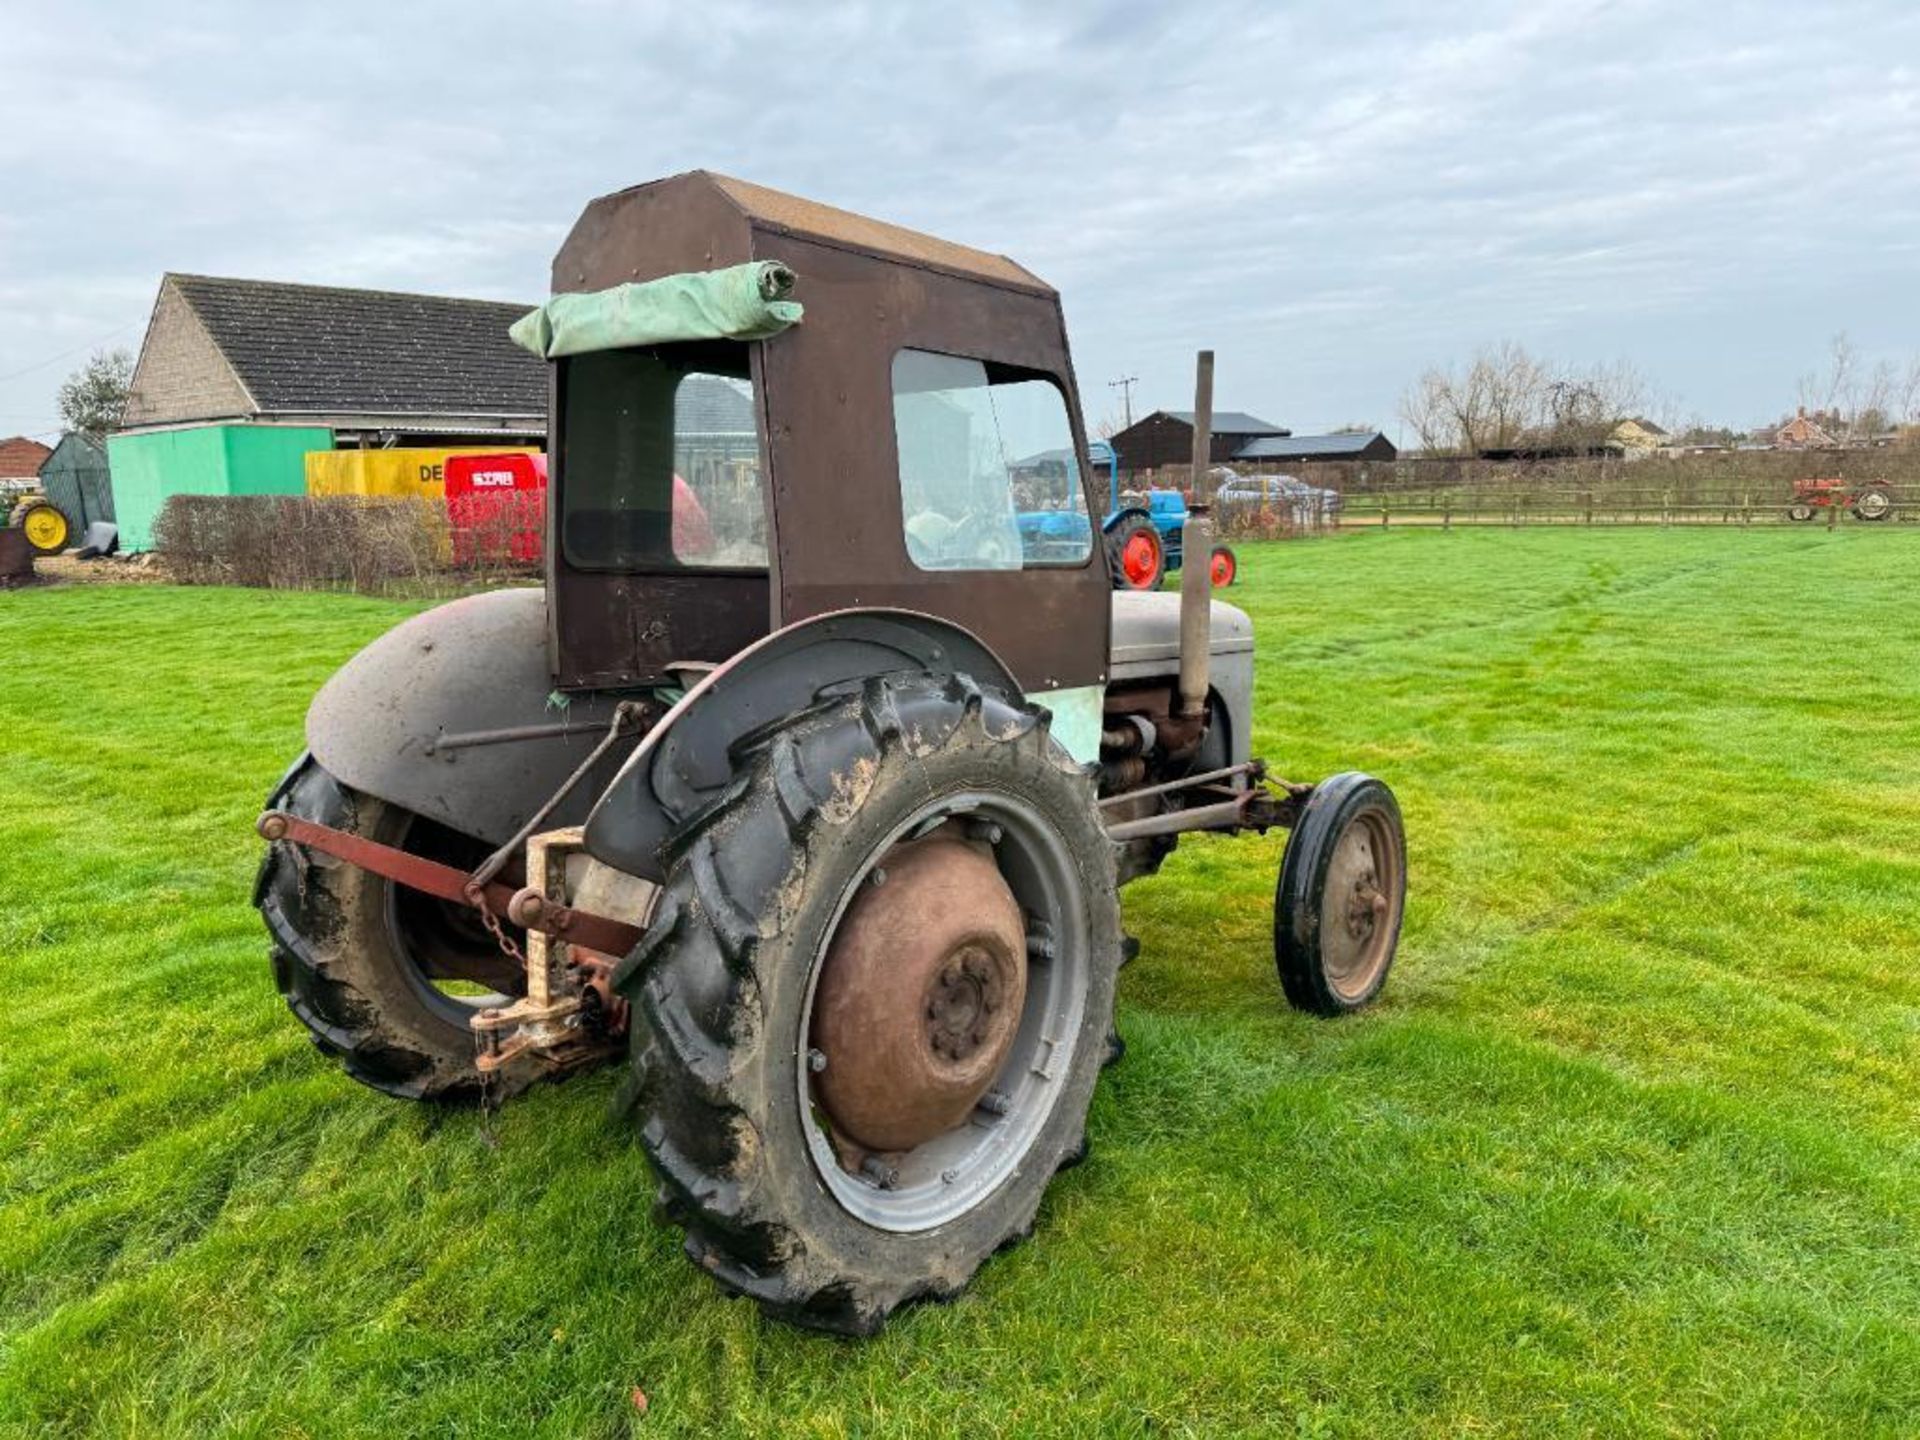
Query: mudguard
[475,664]
[684,762]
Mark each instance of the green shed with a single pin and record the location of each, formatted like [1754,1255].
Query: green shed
[76,479]
[205,460]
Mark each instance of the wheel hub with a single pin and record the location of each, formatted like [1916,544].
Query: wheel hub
[919,996]
[1357,892]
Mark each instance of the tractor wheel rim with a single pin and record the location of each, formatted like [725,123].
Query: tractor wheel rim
[45,527]
[947,1175]
[1361,903]
[1139,559]
[1873,503]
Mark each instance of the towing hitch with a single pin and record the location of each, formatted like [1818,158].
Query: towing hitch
[571,1014]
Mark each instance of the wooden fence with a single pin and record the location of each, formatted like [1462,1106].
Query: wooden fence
[1731,487]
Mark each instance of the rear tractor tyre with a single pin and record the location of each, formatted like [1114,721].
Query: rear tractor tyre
[1875,502]
[1341,895]
[376,971]
[875,998]
[1136,552]
[47,527]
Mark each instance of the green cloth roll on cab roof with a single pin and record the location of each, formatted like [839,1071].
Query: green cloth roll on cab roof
[742,302]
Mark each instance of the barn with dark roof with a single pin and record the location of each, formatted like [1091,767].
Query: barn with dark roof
[238,380]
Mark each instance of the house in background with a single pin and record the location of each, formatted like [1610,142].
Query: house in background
[1638,436]
[238,380]
[20,462]
[1346,445]
[1802,432]
[1166,438]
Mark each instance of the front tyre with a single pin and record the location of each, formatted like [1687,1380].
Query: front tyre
[875,999]
[1340,897]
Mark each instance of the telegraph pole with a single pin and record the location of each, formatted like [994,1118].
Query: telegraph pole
[1125,386]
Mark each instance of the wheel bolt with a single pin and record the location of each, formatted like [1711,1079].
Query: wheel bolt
[879,877]
[995,1102]
[816,1061]
[986,830]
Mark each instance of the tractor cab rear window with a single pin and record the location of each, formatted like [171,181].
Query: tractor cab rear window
[660,466]
[989,479]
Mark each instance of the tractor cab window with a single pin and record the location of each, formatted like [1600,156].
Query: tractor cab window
[661,462]
[989,479]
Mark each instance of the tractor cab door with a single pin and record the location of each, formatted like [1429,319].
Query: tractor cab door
[657,512]
[926,454]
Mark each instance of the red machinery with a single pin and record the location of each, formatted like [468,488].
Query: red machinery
[1870,500]
[496,506]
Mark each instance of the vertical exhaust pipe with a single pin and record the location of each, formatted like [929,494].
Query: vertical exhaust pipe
[1196,545]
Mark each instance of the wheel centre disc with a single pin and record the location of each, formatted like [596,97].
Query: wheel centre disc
[919,995]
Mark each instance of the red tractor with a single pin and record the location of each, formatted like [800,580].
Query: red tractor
[1868,500]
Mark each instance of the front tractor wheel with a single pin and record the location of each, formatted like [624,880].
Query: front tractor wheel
[1341,894]
[1226,567]
[388,980]
[874,1000]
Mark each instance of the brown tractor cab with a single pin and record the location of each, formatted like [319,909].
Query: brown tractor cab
[806,783]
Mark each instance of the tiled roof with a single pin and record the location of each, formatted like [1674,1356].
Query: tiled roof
[315,349]
[1231,422]
[712,405]
[1295,447]
[21,458]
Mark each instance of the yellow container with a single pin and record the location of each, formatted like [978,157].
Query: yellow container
[389,472]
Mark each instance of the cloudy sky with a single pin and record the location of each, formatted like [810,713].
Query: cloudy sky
[1332,197]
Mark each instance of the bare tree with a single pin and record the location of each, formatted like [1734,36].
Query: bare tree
[1506,398]
[1490,404]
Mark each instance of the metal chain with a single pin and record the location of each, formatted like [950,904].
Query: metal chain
[504,940]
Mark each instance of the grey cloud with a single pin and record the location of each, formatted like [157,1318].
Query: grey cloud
[1331,197]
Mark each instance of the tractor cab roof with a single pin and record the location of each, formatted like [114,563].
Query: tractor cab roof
[729,211]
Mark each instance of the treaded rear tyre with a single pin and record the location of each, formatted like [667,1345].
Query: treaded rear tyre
[339,965]
[721,988]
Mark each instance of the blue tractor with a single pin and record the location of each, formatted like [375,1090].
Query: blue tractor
[1143,540]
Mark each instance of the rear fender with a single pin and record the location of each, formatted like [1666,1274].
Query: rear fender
[685,762]
[380,725]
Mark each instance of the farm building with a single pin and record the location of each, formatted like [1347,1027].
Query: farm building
[1166,438]
[75,479]
[238,380]
[1355,445]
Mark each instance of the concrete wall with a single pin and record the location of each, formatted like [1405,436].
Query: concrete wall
[205,460]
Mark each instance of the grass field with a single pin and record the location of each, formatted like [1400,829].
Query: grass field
[1631,1144]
